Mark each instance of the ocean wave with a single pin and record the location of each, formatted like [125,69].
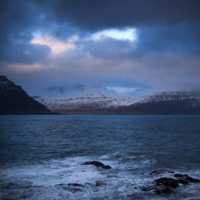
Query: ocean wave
[68,179]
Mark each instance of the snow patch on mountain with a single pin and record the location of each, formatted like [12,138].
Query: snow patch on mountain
[175,95]
[82,101]
[91,102]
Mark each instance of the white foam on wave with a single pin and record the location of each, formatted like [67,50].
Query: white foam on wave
[69,170]
[50,176]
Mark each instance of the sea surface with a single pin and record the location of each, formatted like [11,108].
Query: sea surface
[41,156]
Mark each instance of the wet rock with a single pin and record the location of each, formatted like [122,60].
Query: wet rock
[163,189]
[168,182]
[168,185]
[97,164]
[100,183]
[161,171]
[165,185]
[147,188]
[186,179]
[75,185]
[162,186]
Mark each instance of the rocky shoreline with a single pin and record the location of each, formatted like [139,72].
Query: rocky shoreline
[165,183]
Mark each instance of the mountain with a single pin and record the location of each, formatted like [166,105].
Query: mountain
[160,103]
[93,103]
[14,100]
[167,103]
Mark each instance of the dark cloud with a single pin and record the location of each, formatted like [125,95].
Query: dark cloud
[18,20]
[179,38]
[23,53]
[166,54]
[95,14]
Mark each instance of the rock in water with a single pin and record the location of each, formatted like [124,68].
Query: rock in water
[100,183]
[167,185]
[163,186]
[168,182]
[97,164]
[185,179]
[161,171]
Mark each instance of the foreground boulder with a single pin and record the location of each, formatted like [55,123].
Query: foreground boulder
[168,185]
[161,171]
[165,185]
[97,164]
[169,182]
[186,179]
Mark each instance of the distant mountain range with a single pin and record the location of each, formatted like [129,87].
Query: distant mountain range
[14,100]
[85,104]
[167,103]
[160,103]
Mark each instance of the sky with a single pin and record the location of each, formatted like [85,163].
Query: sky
[120,47]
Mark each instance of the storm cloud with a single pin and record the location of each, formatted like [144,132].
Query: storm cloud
[95,14]
[131,45]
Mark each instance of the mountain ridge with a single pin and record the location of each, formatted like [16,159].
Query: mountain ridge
[14,100]
[176,102]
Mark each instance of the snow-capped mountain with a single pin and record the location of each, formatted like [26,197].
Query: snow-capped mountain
[159,103]
[88,102]
[169,96]
[168,103]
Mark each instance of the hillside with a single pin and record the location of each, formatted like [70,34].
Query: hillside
[14,100]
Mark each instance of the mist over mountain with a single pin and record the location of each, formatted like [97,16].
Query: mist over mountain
[14,100]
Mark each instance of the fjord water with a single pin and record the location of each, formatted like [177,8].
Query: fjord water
[41,154]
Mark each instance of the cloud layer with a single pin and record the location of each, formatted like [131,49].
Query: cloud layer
[129,47]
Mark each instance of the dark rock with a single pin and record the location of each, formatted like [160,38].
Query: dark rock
[75,185]
[161,171]
[168,182]
[163,186]
[100,183]
[163,189]
[147,188]
[97,164]
[186,179]
[167,185]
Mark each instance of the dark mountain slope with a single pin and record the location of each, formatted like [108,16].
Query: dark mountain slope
[167,103]
[14,100]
